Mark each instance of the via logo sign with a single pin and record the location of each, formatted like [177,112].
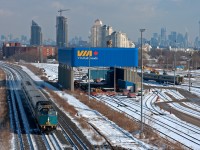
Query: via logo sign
[86,54]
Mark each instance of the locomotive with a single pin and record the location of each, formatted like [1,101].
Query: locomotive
[163,78]
[45,114]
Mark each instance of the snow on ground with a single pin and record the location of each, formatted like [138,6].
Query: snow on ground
[87,113]
[161,118]
[49,68]
[114,134]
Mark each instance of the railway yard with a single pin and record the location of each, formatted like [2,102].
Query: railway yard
[171,111]
[27,134]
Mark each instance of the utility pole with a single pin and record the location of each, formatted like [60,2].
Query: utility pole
[89,77]
[189,72]
[141,132]
[199,37]
[175,65]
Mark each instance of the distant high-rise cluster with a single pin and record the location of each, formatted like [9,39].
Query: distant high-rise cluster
[36,34]
[103,36]
[61,31]
[174,40]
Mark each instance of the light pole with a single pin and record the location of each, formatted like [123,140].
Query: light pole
[89,76]
[199,36]
[189,73]
[141,30]
[175,65]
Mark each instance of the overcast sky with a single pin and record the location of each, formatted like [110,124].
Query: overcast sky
[123,15]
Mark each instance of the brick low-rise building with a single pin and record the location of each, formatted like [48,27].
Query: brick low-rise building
[28,53]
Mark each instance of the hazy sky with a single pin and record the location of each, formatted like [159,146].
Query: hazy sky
[123,15]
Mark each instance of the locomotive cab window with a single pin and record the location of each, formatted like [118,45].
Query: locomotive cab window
[44,111]
[52,112]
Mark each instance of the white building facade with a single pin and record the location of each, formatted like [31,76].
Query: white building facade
[96,34]
[101,35]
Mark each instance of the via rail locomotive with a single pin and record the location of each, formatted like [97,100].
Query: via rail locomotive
[163,78]
[45,114]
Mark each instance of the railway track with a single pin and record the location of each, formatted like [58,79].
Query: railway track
[63,138]
[152,107]
[118,103]
[177,105]
[182,127]
[70,132]
[19,119]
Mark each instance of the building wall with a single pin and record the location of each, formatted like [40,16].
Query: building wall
[99,57]
[96,34]
[95,57]
[30,53]
[48,51]
[106,32]
[66,76]
[119,39]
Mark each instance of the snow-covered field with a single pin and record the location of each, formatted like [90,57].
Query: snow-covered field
[114,135]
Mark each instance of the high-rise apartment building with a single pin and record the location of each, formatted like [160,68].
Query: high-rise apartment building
[163,34]
[101,35]
[173,39]
[96,34]
[106,31]
[120,39]
[36,34]
[163,37]
[61,31]
[186,40]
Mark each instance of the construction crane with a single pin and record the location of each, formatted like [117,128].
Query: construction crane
[61,10]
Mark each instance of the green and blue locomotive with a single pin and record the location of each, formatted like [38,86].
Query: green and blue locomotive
[44,112]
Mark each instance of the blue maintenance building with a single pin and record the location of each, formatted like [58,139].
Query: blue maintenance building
[92,57]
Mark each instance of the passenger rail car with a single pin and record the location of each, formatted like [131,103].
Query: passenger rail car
[163,78]
[45,114]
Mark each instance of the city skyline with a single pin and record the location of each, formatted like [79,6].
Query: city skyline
[131,15]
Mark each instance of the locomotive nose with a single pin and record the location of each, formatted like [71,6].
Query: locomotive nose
[48,121]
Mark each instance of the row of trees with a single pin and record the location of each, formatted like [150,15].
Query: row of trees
[165,59]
